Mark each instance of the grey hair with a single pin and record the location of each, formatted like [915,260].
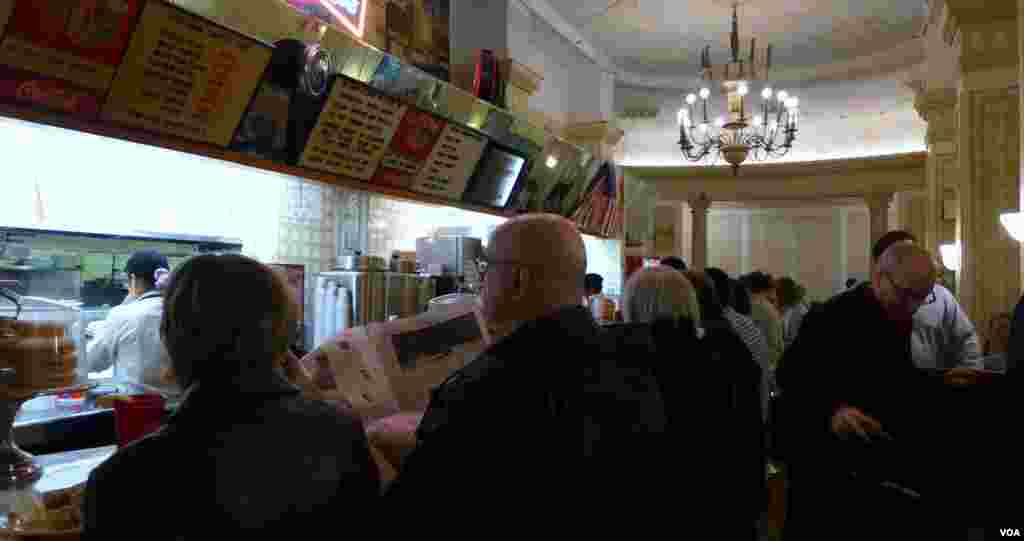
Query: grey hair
[660,292]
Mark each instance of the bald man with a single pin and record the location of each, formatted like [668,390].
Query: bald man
[860,403]
[501,436]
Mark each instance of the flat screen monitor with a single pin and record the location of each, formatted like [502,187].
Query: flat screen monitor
[496,177]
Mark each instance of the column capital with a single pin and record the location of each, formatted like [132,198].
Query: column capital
[699,203]
[938,107]
[878,200]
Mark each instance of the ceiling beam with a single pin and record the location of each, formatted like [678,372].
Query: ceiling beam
[543,9]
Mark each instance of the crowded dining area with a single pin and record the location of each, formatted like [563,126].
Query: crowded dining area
[272,266]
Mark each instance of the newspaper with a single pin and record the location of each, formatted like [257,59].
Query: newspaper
[346,373]
[421,352]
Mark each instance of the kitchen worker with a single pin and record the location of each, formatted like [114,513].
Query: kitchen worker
[129,338]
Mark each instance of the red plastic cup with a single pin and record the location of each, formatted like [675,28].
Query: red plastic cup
[136,416]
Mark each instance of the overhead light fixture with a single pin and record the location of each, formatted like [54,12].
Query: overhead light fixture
[552,162]
[1014,224]
[950,256]
[736,139]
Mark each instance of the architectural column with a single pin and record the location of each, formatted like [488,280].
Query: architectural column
[878,214]
[989,149]
[938,108]
[912,210]
[699,205]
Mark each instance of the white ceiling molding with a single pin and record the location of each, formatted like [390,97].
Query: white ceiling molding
[543,9]
[901,58]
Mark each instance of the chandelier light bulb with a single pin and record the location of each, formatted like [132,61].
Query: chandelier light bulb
[720,122]
[773,125]
[792,103]
[767,93]
[703,126]
[705,93]
[742,89]
[691,99]
[757,120]
[783,96]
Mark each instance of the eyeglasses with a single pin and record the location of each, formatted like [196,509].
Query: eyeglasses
[911,297]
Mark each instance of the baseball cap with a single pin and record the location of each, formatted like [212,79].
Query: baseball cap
[145,263]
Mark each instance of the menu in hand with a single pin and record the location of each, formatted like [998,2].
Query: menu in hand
[187,76]
[353,131]
[451,163]
[412,144]
[63,54]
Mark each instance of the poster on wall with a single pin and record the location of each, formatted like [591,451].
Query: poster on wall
[451,163]
[187,76]
[353,130]
[349,15]
[61,54]
[412,144]
[418,32]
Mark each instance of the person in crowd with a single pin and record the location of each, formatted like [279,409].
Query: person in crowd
[129,338]
[742,442]
[674,262]
[944,338]
[851,369]
[502,434]
[226,324]
[602,308]
[792,298]
[660,293]
[741,299]
[765,313]
[744,327]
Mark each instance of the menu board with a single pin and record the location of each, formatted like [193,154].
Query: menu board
[412,144]
[353,131]
[63,54]
[187,76]
[451,163]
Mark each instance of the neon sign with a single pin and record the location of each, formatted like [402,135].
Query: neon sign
[348,14]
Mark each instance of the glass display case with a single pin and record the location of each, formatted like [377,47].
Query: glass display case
[77,277]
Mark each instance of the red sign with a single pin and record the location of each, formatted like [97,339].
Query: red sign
[412,144]
[348,14]
[54,94]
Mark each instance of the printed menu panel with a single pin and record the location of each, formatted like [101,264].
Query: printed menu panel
[451,163]
[186,76]
[412,144]
[63,54]
[353,131]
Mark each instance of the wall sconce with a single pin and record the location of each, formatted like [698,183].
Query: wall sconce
[951,256]
[552,162]
[1014,224]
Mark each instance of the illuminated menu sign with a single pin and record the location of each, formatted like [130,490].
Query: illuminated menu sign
[410,147]
[451,163]
[348,14]
[63,54]
[184,75]
[353,131]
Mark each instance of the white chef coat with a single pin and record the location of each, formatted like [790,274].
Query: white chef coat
[129,340]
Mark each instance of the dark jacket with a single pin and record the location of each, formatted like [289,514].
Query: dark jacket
[246,457]
[501,437]
[711,388]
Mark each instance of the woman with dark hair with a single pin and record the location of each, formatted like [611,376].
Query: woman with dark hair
[245,452]
[745,328]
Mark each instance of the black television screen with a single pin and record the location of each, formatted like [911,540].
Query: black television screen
[495,179]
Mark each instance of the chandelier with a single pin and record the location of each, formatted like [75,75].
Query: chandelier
[735,136]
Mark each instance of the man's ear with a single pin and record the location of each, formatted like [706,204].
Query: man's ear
[522,281]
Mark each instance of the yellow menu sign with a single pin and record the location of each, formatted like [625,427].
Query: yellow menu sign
[451,163]
[353,131]
[184,75]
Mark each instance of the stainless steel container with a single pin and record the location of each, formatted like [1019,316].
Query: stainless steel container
[456,255]
[408,294]
[362,263]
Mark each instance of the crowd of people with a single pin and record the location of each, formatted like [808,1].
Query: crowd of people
[674,403]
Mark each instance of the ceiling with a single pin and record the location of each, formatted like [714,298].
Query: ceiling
[664,37]
[847,61]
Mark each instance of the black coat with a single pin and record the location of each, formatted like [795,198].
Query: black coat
[715,441]
[501,437]
[245,458]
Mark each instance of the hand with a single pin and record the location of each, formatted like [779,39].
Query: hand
[962,376]
[847,420]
